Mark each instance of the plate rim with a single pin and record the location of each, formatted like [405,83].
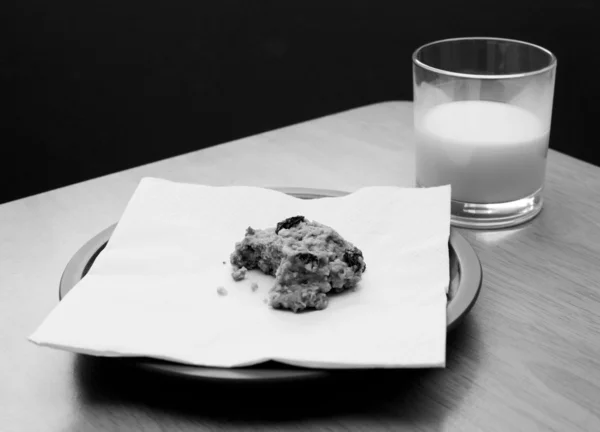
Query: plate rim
[471,276]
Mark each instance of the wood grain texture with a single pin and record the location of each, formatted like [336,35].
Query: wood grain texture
[526,358]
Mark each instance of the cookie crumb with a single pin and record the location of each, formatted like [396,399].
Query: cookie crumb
[265,301]
[254,286]
[239,273]
[224,263]
[221,291]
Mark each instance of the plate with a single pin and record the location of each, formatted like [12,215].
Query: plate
[465,284]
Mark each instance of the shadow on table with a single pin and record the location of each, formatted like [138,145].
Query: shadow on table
[423,396]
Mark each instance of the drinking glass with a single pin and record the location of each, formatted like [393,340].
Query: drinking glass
[482,114]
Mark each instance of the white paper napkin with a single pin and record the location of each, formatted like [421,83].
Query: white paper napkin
[153,291]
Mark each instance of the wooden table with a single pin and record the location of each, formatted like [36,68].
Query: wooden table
[526,358]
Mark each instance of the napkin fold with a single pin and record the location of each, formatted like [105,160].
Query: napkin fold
[152,292]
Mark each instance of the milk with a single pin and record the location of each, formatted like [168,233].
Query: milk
[490,152]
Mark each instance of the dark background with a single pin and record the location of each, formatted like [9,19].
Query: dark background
[91,87]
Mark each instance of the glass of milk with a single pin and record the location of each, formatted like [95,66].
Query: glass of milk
[482,114]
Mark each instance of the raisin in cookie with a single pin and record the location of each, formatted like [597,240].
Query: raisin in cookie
[308,259]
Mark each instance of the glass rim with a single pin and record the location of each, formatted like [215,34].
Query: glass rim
[551,65]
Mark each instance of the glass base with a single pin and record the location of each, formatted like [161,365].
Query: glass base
[500,215]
